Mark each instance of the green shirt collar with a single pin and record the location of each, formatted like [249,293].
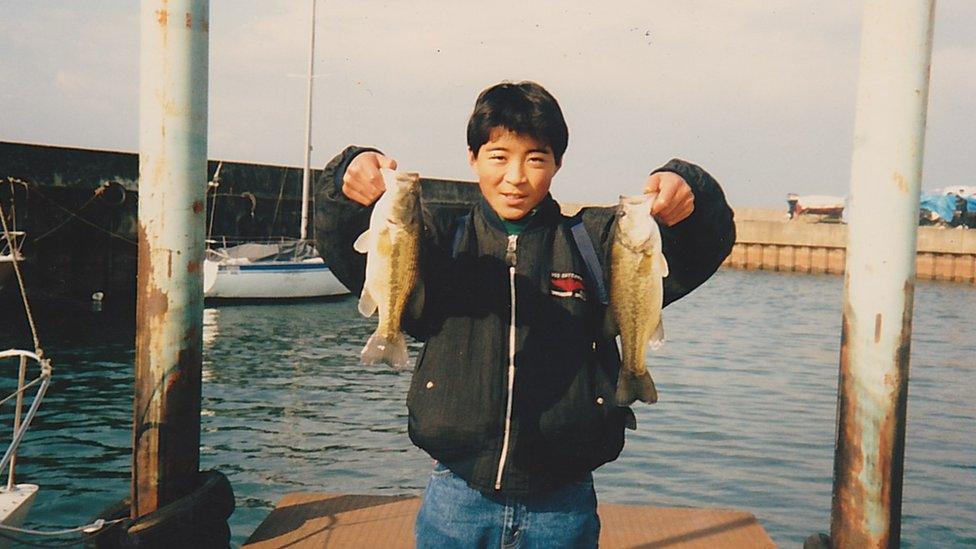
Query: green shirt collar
[518,225]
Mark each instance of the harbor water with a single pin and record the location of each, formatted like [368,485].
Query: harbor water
[746,418]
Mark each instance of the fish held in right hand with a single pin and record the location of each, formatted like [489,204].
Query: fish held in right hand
[392,248]
[637,270]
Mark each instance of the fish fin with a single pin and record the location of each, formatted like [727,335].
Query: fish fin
[415,306]
[630,420]
[367,305]
[632,387]
[662,265]
[657,338]
[361,244]
[393,351]
[610,328]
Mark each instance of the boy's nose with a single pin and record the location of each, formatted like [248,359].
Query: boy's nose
[515,173]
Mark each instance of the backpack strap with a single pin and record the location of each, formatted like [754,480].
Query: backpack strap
[585,246]
[462,227]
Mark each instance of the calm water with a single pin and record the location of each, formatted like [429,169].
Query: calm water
[748,383]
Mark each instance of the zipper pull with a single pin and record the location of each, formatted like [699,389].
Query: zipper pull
[510,252]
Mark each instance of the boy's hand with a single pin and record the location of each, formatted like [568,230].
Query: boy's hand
[362,181]
[674,202]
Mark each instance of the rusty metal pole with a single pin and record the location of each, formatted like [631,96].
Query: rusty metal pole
[173,67]
[886,173]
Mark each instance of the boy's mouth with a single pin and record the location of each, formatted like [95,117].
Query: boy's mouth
[513,199]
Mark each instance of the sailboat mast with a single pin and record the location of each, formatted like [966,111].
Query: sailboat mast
[306,170]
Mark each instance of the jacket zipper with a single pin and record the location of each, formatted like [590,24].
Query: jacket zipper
[510,259]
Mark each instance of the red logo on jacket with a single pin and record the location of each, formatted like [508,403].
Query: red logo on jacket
[567,285]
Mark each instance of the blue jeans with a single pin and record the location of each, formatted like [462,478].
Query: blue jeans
[456,515]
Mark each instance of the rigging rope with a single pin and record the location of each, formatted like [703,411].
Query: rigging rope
[20,283]
[66,220]
[45,377]
[87,530]
[84,220]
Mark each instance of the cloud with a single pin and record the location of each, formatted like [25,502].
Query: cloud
[760,92]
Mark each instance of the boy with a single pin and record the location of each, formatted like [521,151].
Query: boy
[512,394]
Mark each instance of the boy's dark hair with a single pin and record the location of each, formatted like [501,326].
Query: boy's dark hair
[525,108]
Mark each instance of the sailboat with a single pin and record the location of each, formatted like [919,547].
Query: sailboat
[273,268]
[17,499]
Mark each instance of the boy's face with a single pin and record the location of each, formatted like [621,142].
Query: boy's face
[514,172]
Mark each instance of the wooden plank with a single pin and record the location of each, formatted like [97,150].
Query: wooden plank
[337,520]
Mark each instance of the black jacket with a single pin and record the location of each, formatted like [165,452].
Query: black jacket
[559,421]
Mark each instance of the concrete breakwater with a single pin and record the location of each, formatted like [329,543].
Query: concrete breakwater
[78,208]
[766,240]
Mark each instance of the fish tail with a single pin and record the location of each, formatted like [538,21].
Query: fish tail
[631,387]
[392,351]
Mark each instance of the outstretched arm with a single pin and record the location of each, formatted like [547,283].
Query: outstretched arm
[696,244]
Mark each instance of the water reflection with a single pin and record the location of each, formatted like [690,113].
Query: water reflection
[748,384]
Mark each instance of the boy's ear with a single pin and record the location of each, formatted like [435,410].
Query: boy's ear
[471,157]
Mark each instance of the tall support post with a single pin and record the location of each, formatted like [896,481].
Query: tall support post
[307,169]
[886,172]
[173,65]
[21,378]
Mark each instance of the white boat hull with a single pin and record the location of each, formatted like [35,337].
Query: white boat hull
[270,280]
[14,505]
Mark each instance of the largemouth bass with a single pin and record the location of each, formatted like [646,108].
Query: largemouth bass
[392,245]
[637,270]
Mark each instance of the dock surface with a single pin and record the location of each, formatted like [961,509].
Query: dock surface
[337,520]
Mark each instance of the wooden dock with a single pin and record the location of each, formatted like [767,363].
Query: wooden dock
[337,520]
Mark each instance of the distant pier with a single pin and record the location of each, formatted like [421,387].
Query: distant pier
[766,240]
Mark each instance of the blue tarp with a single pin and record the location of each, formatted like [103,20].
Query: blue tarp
[943,205]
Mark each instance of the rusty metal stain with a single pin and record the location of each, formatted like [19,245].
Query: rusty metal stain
[170,412]
[164,400]
[193,266]
[152,304]
[197,206]
[205,25]
[162,16]
[877,328]
[900,182]
[892,433]
[852,524]
[849,492]
[188,20]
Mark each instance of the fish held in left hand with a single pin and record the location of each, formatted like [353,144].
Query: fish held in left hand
[392,245]
[637,270]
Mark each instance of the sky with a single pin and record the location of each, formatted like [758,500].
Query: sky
[761,93]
